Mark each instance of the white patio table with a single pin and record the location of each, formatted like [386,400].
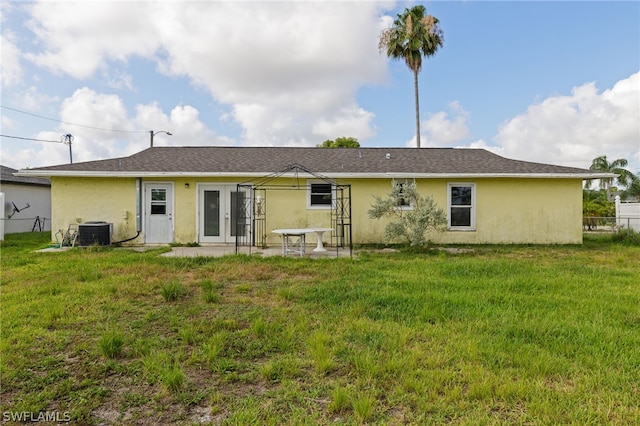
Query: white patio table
[290,247]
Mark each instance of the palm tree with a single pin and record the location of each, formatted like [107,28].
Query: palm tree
[414,34]
[600,164]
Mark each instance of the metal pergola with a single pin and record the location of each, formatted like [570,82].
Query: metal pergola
[251,219]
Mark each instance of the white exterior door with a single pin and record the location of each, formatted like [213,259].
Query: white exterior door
[158,213]
[220,210]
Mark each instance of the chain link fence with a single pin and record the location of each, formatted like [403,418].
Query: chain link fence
[24,224]
[610,224]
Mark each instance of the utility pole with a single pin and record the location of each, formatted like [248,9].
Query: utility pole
[67,139]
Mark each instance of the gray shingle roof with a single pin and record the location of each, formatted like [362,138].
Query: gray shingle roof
[324,161]
[6,176]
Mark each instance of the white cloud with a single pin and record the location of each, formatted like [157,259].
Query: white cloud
[118,79]
[36,154]
[284,68]
[108,111]
[7,123]
[79,37]
[32,100]
[115,133]
[481,144]
[444,128]
[568,130]
[11,72]
[574,129]
[346,122]
[277,76]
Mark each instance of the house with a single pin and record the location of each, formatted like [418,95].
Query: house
[225,194]
[25,203]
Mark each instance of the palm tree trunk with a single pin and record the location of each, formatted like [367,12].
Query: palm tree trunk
[415,89]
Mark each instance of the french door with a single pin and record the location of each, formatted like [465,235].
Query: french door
[221,213]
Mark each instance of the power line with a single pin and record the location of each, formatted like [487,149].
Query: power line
[30,139]
[72,124]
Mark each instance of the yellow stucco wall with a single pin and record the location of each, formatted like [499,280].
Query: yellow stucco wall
[537,211]
[78,200]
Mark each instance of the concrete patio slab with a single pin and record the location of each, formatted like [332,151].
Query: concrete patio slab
[224,250]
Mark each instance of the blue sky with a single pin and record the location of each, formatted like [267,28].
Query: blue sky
[552,82]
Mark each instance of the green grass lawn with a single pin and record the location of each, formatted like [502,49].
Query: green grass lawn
[500,335]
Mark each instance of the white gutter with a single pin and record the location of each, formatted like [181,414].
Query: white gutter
[398,175]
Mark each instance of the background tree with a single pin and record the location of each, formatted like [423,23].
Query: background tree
[595,205]
[411,224]
[600,164]
[633,190]
[340,143]
[414,34]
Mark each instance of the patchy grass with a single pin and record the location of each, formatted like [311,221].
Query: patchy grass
[496,335]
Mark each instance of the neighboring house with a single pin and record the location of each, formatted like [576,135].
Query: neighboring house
[189,194]
[23,200]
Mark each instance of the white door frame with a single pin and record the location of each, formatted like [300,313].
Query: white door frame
[170,205]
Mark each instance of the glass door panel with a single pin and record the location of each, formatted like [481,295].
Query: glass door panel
[211,213]
[238,214]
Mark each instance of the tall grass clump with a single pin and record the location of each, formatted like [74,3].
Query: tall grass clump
[188,334]
[340,400]
[363,408]
[208,288]
[173,291]
[173,378]
[278,369]
[259,327]
[215,346]
[320,351]
[165,367]
[111,344]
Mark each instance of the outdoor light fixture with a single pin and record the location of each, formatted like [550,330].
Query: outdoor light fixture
[152,134]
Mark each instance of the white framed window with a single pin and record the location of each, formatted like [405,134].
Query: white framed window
[320,195]
[461,206]
[158,201]
[403,204]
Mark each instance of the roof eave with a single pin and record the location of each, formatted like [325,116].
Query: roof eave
[156,174]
